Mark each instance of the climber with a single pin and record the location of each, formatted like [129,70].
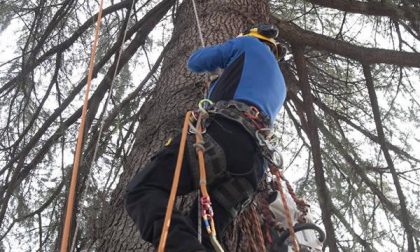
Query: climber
[249,92]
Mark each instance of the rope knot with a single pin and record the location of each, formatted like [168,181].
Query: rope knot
[199,146]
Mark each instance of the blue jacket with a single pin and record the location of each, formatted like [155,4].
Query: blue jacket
[251,73]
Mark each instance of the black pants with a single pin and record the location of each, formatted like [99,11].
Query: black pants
[148,192]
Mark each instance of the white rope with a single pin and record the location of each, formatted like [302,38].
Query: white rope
[200,34]
[102,123]
[198,24]
[209,76]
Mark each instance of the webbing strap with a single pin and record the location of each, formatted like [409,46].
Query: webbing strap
[235,111]
[234,195]
[215,160]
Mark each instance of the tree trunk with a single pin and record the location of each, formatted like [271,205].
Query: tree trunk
[177,91]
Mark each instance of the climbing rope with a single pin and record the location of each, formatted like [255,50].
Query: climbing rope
[175,182]
[102,123]
[300,203]
[210,77]
[200,33]
[207,210]
[72,189]
[255,229]
[204,205]
[202,109]
[279,188]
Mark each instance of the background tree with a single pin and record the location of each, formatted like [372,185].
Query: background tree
[349,127]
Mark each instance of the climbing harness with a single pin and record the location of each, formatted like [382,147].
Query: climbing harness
[256,124]
[252,120]
[73,183]
[233,194]
[207,212]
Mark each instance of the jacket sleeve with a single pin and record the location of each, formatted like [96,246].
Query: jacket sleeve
[213,57]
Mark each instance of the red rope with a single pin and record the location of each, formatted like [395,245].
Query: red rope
[287,211]
[257,228]
[301,204]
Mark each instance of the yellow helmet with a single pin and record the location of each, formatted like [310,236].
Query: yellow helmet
[268,34]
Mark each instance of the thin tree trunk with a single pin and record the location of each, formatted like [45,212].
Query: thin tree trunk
[382,140]
[311,128]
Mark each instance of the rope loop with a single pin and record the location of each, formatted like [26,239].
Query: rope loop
[199,146]
[191,128]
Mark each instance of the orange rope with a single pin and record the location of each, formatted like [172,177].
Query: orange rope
[201,162]
[73,184]
[203,181]
[287,212]
[169,209]
[202,167]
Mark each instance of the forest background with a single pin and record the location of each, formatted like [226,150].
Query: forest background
[348,131]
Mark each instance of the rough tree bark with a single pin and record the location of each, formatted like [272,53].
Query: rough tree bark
[177,91]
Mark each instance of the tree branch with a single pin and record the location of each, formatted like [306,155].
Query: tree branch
[365,132]
[65,44]
[383,8]
[367,246]
[149,22]
[391,206]
[382,141]
[312,133]
[296,35]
